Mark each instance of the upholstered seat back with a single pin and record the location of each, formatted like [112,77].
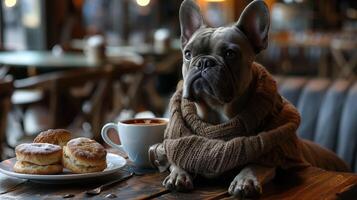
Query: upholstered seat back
[328,113]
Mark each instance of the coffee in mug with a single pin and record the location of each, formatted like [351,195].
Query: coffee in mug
[145,121]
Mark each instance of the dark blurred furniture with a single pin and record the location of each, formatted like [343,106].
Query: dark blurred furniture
[323,54]
[328,113]
[33,61]
[65,102]
[22,99]
[126,84]
[6,89]
[161,81]
[344,54]
[298,53]
[3,71]
[84,93]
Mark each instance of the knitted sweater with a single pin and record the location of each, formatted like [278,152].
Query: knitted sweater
[264,133]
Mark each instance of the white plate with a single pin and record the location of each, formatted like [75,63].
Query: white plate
[114,163]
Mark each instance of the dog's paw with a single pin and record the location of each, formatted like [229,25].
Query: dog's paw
[245,187]
[178,180]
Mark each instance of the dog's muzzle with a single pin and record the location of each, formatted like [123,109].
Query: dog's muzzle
[205,62]
[199,65]
[207,75]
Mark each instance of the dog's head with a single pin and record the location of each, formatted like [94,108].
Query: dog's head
[217,61]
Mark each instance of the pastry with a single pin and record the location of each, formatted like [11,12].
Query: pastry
[54,136]
[30,168]
[39,153]
[83,155]
[38,158]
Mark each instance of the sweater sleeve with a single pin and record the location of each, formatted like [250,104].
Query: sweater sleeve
[202,155]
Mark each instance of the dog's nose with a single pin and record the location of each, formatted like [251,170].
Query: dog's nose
[205,63]
[208,62]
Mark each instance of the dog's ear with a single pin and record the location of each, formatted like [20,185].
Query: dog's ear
[254,22]
[190,20]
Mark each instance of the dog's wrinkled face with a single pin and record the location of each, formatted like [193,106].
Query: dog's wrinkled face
[214,64]
[217,61]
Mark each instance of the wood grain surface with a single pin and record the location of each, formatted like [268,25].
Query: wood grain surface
[310,183]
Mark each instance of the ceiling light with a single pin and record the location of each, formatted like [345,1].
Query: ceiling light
[143,2]
[10,3]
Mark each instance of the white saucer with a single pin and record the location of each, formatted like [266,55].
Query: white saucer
[114,163]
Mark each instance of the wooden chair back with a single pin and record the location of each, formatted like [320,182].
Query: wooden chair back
[6,89]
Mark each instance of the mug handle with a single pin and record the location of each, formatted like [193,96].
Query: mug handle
[106,138]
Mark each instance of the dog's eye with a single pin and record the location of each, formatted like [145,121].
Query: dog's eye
[188,55]
[230,54]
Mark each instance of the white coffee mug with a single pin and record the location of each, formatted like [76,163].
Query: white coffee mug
[136,136]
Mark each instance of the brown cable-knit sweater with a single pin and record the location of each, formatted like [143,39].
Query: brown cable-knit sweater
[264,133]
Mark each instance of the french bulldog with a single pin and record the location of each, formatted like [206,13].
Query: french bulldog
[217,73]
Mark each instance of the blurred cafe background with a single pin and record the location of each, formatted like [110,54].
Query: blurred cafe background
[78,64]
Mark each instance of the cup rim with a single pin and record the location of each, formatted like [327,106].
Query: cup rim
[144,125]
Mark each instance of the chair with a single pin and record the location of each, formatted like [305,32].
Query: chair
[66,104]
[340,47]
[6,89]
[126,79]
[329,114]
[66,96]
[21,100]
[291,88]
[3,71]
[347,138]
[161,79]
[309,105]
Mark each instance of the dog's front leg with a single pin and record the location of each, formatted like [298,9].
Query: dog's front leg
[249,181]
[178,180]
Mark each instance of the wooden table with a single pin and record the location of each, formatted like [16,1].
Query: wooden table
[45,59]
[311,183]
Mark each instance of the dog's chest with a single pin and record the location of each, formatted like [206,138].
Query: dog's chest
[213,114]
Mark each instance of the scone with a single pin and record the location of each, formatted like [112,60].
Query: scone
[39,153]
[38,158]
[83,155]
[54,136]
[30,168]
